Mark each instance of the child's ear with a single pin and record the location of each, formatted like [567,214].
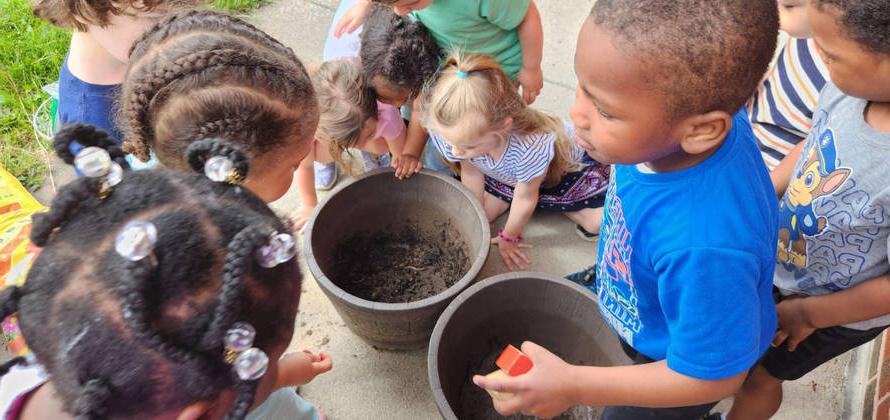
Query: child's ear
[195,411]
[703,132]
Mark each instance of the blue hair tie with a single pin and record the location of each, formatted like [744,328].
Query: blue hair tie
[462,74]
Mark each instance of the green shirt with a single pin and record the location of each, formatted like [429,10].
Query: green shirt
[480,26]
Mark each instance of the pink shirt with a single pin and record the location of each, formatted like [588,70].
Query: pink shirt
[390,125]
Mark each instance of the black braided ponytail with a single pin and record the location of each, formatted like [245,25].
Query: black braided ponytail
[133,338]
[82,191]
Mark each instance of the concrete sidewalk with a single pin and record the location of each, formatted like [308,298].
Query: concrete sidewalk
[371,384]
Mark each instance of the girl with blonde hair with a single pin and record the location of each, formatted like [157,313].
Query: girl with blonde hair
[510,155]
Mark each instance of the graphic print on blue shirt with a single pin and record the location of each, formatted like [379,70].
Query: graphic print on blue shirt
[818,176]
[615,286]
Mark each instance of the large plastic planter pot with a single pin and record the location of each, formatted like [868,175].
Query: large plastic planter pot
[373,201]
[512,308]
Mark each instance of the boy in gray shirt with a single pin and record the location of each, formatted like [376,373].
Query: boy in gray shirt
[834,218]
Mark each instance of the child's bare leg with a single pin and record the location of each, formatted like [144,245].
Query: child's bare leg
[759,398]
[493,206]
[589,219]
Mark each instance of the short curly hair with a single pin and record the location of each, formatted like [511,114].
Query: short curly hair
[78,14]
[865,21]
[398,49]
[703,55]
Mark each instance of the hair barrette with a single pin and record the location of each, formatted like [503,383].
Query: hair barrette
[222,169]
[136,240]
[95,162]
[249,363]
[462,74]
[281,248]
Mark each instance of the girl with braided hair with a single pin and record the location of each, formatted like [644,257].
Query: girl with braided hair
[158,294]
[203,74]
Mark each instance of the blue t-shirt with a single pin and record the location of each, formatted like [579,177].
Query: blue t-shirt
[686,260]
[82,102]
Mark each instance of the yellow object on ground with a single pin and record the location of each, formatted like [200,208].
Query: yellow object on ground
[17,253]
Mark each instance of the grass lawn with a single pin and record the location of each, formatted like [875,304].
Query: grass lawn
[31,53]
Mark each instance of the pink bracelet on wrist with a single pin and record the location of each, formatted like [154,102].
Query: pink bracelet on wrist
[509,239]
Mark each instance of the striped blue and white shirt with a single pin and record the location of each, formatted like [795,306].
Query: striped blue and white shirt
[525,157]
[781,111]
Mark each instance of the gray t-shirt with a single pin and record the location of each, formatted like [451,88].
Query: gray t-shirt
[834,220]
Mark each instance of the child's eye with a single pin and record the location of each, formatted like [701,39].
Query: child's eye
[604,114]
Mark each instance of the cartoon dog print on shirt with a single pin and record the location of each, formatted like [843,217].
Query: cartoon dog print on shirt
[818,176]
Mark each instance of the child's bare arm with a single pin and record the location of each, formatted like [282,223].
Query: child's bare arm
[525,200]
[552,386]
[799,317]
[301,368]
[397,145]
[782,173]
[473,179]
[353,18]
[409,162]
[531,39]
[306,189]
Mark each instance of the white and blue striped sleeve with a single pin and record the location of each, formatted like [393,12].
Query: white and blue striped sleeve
[443,147]
[535,159]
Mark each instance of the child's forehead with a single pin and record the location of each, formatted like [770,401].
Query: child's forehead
[469,129]
[606,64]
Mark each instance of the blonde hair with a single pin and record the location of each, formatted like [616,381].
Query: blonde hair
[345,103]
[482,88]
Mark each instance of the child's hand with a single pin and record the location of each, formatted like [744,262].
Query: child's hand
[321,362]
[545,391]
[794,322]
[353,18]
[512,253]
[299,218]
[296,369]
[531,81]
[406,165]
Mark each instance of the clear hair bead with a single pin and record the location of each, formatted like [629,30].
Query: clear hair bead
[251,364]
[93,162]
[115,175]
[136,240]
[220,169]
[281,248]
[240,337]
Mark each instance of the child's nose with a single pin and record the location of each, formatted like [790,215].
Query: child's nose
[578,113]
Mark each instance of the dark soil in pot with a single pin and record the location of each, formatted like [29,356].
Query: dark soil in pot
[401,263]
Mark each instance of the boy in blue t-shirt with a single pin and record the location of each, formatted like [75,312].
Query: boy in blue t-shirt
[687,247]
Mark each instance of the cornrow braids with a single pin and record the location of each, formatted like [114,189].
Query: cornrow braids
[183,23]
[204,74]
[124,338]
